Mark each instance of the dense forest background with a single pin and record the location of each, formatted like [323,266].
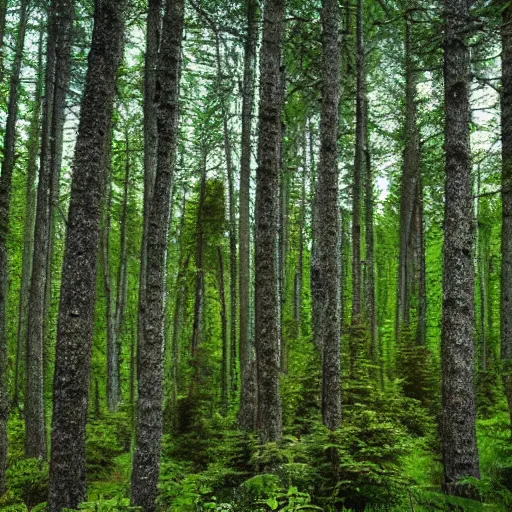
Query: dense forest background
[255,256]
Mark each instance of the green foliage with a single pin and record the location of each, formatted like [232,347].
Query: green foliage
[106,439]
[28,483]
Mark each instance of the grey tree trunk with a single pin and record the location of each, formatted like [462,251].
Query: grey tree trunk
[3,15]
[146,459]
[67,487]
[197,327]
[506,198]
[460,454]
[358,170]
[153,30]
[247,411]
[224,334]
[328,225]
[269,416]
[58,56]
[28,228]
[409,188]
[5,196]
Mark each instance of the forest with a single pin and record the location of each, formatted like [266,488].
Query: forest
[256,255]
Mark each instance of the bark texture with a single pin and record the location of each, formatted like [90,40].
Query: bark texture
[146,459]
[460,454]
[5,202]
[76,311]
[506,197]
[58,56]
[153,32]
[328,246]
[247,412]
[269,416]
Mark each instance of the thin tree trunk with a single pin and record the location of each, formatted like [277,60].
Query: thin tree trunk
[506,198]
[146,459]
[224,334]
[409,186]
[247,412]
[58,57]
[3,15]
[197,327]
[370,259]
[421,337]
[5,196]
[67,487]
[269,416]
[460,454]
[328,217]
[358,170]
[28,229]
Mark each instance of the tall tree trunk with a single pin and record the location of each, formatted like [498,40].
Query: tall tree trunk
[421,336]
[370,305]
[224,334]
[113,389]
[153,29]
[5,196]
[247,412]
[506,198]
[146,459]
[409,186]
[67,486]
[3,15]
[58,56]
[328,217]
[197,327]
[28,228]
[269,416]
[460,454]
[358,170]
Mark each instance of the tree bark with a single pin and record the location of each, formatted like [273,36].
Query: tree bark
[224,334]
[358,170]
[328,217]
[8,163]
[460,454]
[269,416]
[247,411]
[67,487]
[506,198]
[58,56]
[28,228]
[3,15]
[146,459]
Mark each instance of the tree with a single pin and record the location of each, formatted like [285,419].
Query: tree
[56,83]
[269,418]
[247,413]
[506,197]
[76,311]
[5,196]
[327,217]
[146,459]
[460,454]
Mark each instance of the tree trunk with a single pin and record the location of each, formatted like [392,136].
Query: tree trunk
[506,198]
[3,15]
[247,412]
[28,228]
[146,459]
[409,187]
[269,416]
[5,196]
[460,454]
[371,314]
[67,487]
[224,334]
[56,82]
[197,327]
[358,170]
[153,30]
[328,218]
